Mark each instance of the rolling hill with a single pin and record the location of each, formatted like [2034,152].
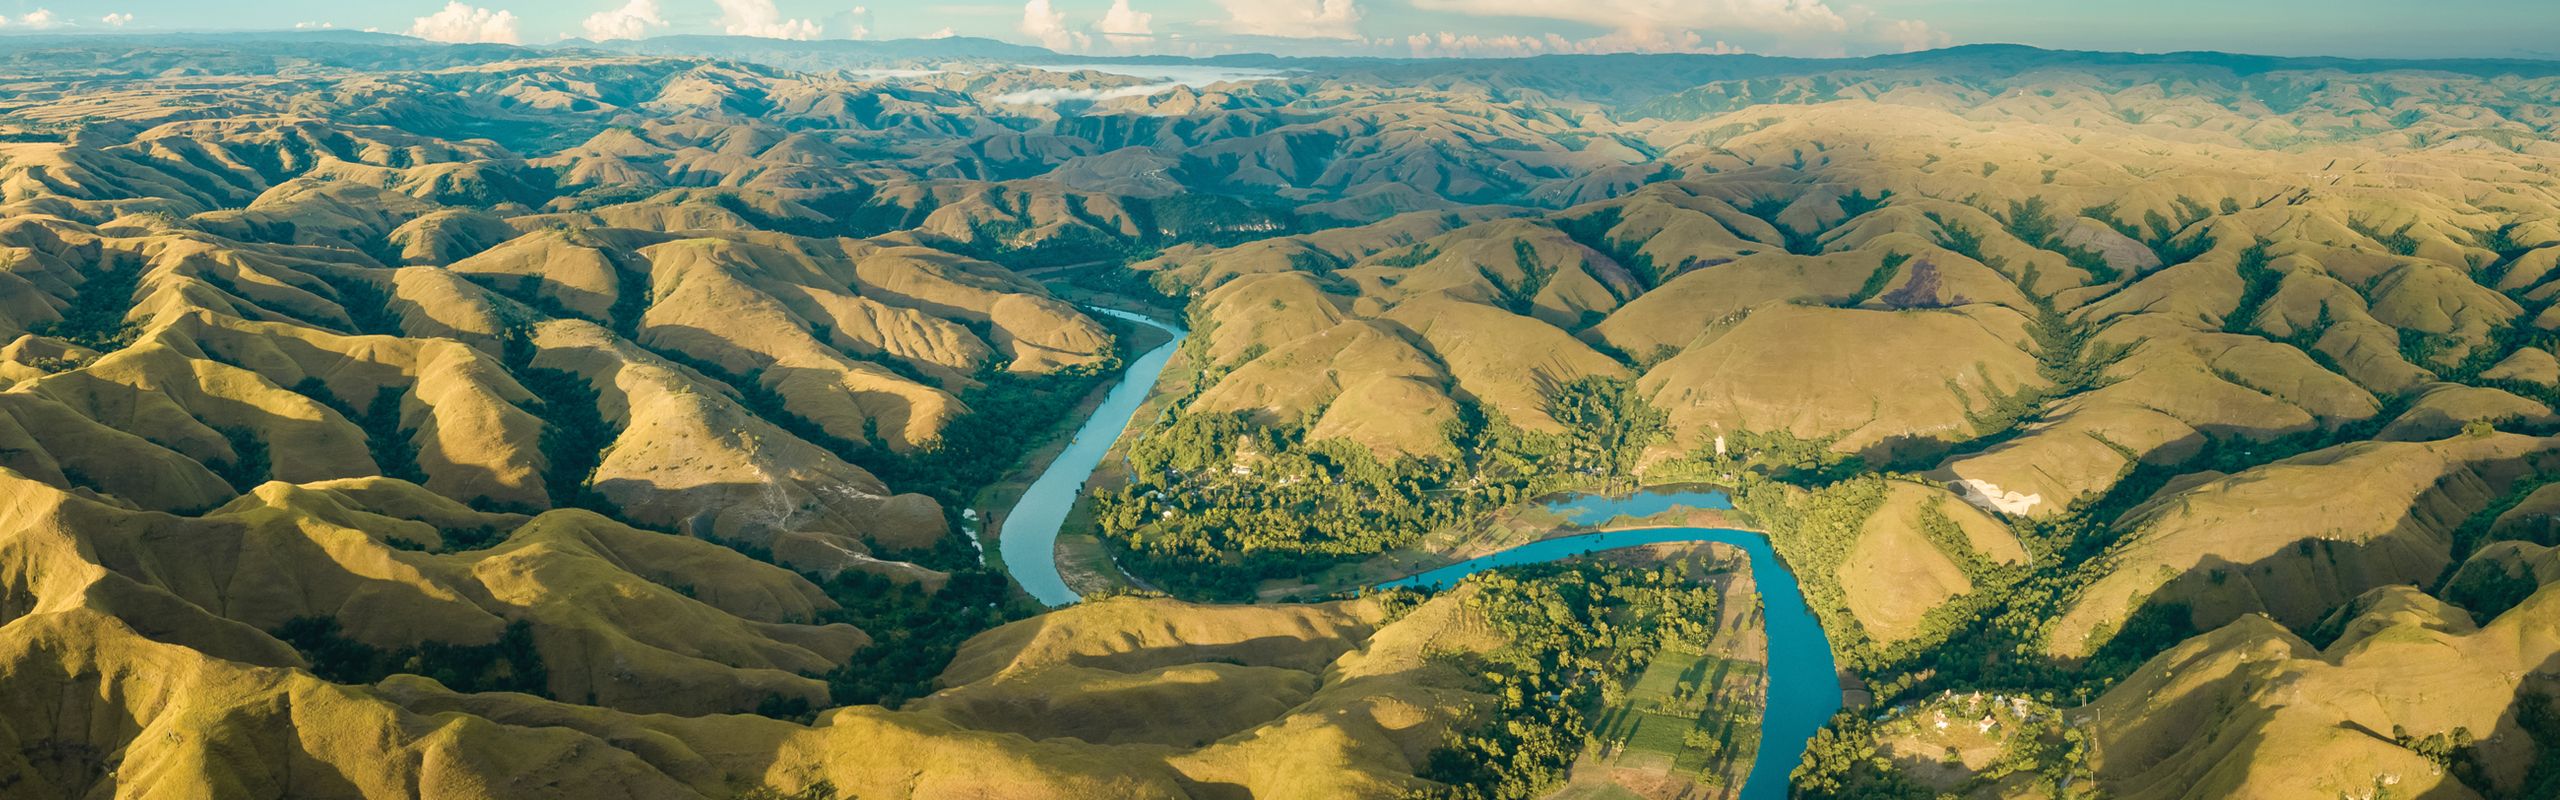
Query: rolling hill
[380,418]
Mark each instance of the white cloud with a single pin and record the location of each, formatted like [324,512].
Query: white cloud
[308,26]
[1296,19]
[858,23]
[1456,45]
[1757,15]
[117,20]
[1808,26]
[1045,24]
[945,33]
[761,18]
[1126,27]
[1912,35]
[462,23]
[38,19]
[632,21]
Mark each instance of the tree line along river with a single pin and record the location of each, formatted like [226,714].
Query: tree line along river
[1803,681]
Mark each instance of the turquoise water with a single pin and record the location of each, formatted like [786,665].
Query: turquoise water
[1593,509]
[1030,532]
[1804,688]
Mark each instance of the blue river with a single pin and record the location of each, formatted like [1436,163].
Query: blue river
[1804,688]
[1029,536]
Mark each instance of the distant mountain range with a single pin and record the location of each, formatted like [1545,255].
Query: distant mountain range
[601,420]
[850,53]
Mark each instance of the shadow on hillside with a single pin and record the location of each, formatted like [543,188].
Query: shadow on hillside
[2524,751]
[1310,653]
[2514,759]
[2305,580]
[1185,710]
[477,483]
[2302,584]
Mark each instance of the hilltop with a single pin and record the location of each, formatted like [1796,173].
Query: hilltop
[388,418]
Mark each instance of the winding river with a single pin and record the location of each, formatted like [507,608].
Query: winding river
[1029,536]
[1803,685]
[1804,688]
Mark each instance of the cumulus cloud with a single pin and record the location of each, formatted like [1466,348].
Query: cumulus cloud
[761,18]
[945,33]
[858,23]
[1296,19]
[1456,45]
[463,23]
[117,20]
[1633,14]
[1911,35]
[313,26]
[1044,23]
[633,20]
[1125,27]
[38,19]
[1807,26]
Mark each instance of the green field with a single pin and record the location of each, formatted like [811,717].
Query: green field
[1658,733]
[1677,693]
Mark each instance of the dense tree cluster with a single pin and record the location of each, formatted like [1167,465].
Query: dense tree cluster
[1608,425]
[1995,637]
[574,432]
[2538,713]
[393,446]
[914,632]
[1009,414]
[1814,530]
[1521,296]
[1846,758]
[249,464]
[2032,222]
[1592,230]
[368,306]
[1573,633]
[1218,497]
[1218,500]
[821,789]
[1886,270]
[95,317]
[510,664]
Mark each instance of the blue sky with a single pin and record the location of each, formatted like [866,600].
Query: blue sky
[2381,28]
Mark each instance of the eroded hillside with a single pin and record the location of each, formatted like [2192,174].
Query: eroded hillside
[2030,381]
[507,422]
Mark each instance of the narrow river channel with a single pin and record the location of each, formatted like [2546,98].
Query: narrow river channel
[1804,687]
[1029,536]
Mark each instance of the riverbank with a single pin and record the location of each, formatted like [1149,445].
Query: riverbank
[1027,532]
[1519,525]
[1730,722]
[1083,559]
[1803,688]
[1083,562]
[1687,725]
[995,500]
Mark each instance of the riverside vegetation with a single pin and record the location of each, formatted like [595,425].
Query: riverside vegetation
[384,418]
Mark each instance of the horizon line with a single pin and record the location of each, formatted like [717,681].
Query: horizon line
[576,41]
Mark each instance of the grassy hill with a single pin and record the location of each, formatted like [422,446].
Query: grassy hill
[383,418]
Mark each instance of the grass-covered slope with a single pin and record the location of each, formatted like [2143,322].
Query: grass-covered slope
[380,418]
